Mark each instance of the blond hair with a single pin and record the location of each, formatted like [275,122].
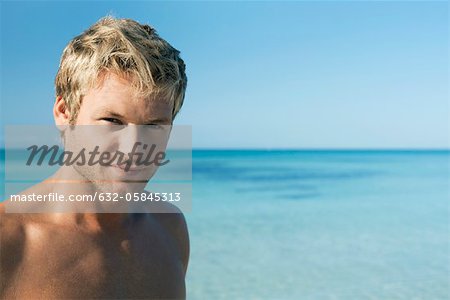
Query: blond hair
[126,48]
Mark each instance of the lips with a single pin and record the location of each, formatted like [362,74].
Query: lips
[132,169]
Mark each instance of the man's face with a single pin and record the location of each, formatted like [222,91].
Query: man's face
[113,118]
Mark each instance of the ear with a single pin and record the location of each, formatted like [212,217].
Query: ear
[61,113]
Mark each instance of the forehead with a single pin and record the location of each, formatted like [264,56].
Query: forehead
[117,93]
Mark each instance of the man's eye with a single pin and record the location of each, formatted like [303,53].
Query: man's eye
[113,120]
[154,126]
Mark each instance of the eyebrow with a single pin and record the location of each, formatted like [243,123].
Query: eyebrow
[119,116]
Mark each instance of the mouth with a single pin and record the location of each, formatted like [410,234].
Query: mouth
[130,170]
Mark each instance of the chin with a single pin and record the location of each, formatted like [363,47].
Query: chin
[121,186]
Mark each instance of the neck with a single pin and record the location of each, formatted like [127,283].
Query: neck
[94,216]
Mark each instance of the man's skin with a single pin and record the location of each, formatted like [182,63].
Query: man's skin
[95,255]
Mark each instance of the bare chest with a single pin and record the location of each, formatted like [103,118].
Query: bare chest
[70,266]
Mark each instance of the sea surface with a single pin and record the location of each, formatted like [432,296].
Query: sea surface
[319,225]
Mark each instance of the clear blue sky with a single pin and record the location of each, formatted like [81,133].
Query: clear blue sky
[263,74]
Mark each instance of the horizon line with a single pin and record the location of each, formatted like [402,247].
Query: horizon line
[316,149]
[302,149]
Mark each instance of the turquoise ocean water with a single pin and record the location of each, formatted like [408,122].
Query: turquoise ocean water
[319,225]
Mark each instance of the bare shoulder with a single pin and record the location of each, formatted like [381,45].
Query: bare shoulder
[172,219]
[13,208]
[12,231]
[174,222]
[11,227]
[12,241]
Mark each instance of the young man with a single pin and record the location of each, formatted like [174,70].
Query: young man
[118,72]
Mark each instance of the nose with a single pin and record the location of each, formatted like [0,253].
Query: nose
[129,140]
